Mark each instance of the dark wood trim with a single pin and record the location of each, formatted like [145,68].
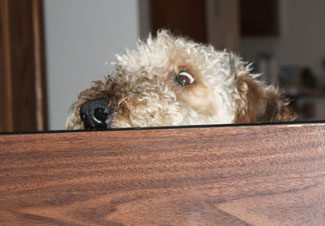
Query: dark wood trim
[40,78]
[234,175]
[22,73]
[184,17]
[6,116]
[259,18]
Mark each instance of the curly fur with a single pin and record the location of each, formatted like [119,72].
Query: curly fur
[144,90]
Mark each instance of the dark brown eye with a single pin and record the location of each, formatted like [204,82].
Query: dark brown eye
[184,78]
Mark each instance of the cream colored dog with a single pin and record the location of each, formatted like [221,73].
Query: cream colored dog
[171,81]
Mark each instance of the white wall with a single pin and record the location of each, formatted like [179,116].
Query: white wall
[302,38]
[80,36]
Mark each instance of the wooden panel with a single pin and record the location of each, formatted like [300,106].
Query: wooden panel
[186,17]
[6,120]
[23,93]
[259,18]
[243,175]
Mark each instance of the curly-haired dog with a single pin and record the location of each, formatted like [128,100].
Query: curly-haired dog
[170,81]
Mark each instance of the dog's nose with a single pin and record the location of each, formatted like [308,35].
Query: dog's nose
[96,113]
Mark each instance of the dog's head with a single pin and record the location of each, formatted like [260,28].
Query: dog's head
[173,81]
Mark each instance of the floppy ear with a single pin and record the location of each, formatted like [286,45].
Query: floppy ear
[260,103]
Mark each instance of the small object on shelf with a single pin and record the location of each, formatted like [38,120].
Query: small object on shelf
[289,79]
[308,79]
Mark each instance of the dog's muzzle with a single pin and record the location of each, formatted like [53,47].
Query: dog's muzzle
[96,114]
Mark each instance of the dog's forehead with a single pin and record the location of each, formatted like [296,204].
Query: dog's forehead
[161,51]
[159,56]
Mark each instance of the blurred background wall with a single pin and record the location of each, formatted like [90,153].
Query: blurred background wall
[295,55]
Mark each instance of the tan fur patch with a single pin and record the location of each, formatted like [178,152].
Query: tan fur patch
[197,95]
[260,103]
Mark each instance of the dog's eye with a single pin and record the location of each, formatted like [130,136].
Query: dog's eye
[184,78]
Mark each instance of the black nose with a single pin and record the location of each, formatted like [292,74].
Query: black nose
[95,114]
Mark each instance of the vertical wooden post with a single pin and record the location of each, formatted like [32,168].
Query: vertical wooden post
[22,72]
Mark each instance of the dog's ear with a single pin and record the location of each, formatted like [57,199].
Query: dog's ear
[260,103]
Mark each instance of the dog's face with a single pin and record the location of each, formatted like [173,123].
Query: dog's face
[170,81]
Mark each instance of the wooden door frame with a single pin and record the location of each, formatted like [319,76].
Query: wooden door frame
[22,90]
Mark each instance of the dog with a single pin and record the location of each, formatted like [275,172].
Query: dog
[172,81]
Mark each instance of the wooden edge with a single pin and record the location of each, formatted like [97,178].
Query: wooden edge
[40,77]
[275,124]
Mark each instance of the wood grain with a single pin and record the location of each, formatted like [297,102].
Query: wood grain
[234,175]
